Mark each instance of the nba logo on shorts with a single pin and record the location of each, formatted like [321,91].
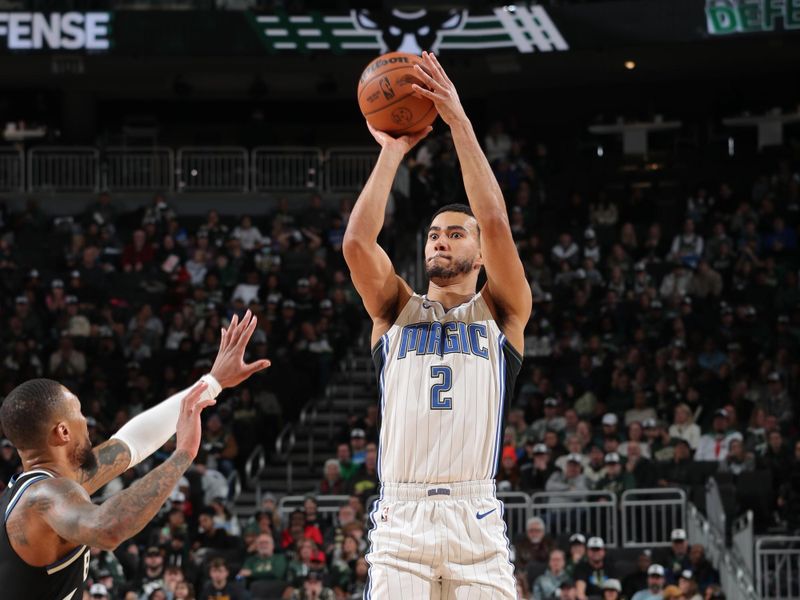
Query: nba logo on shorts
[385,514]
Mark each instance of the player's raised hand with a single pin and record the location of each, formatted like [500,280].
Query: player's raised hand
[229,366]
[439,89]
[189,430]
[403,144]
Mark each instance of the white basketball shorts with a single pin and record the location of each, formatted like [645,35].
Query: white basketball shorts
[439,541]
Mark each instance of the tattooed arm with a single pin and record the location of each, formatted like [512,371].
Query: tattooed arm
[66,507]
[112,459]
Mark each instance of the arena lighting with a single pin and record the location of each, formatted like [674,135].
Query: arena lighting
[731,147]
[630,65]
[600,151]
[512,8]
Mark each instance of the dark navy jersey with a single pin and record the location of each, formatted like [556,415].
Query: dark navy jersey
[63,580]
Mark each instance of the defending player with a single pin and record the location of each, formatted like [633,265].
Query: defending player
[49,521]
[447,362]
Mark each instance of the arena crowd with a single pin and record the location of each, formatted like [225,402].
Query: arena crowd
[655,356]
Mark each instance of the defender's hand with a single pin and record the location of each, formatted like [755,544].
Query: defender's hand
[229,366]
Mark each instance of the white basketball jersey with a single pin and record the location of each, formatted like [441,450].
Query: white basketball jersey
[445,379]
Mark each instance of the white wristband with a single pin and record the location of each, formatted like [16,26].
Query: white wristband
[214,387]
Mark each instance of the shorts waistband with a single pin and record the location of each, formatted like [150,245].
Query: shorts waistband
[438,491]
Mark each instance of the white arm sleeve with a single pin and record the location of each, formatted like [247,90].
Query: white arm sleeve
[148,431]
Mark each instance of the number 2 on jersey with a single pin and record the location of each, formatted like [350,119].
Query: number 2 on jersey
[441,387]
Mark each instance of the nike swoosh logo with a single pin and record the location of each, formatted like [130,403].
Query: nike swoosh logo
[484,515]
[71,594]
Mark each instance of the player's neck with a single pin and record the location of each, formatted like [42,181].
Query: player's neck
[33,460]
[451,294]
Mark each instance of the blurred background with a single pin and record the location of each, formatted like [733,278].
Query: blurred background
[166,165]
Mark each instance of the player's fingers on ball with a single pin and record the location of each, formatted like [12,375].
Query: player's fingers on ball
[424,75]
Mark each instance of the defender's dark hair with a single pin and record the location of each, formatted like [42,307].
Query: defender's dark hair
[29,410]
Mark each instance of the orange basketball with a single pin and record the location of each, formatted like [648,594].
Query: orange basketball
[386,98]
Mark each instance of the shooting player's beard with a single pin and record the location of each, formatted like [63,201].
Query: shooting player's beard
[458,266]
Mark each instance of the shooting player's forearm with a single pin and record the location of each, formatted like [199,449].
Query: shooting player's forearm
[483,191]
[366,220]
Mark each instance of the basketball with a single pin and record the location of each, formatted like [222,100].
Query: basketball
[386,98]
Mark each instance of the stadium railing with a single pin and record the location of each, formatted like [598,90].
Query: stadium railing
[228,169]
[744,539]
[735,579]
[778,567]
[12,170]
[347,169]
[591,513]
[715,508]
[564,513]
[129,169]
[650,515]
[63,169]
[517,509]
[289,168]
[212,169]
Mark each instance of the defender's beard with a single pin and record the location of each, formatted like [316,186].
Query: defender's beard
[86,458]
[457,267]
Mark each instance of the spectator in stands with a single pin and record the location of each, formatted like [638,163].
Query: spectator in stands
[219,586]
[641,410]
[688,586]
[332,482]
[676,559]
[590,576]
[358,443]
[139,254]
[508,476]
[662,445]
[569,480]
[264,564]
[10,463]
[312,588]
[676,472]
[655,584]
[347,468]
[547,585]
[307,558]
[566,253]
[534,546]
[497,142]
[612,589]
[249,235]
[219,444]
[737,461]
[687,246]
[637,580]
[616,480]
[535,467]
[577,553]
[365,481]
[701,568]
[595,468]
[684,427]
[551,420]
[715,445]
[777,401]
[569,591]
[152,577]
